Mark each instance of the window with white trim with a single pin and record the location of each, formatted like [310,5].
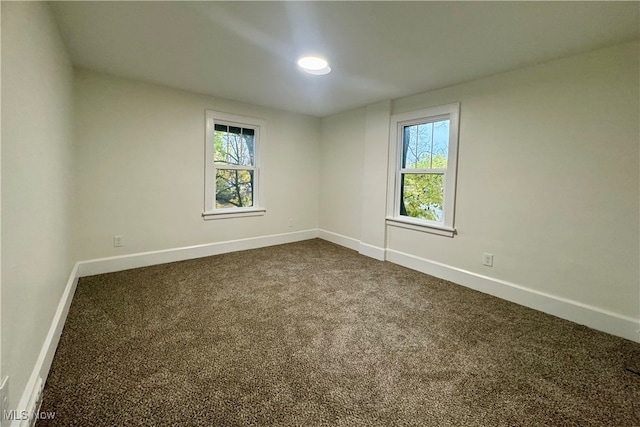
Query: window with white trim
[424,147]
[232,166]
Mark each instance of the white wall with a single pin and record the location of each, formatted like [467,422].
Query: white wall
[353,169]
[548,178]
[140,168]
[341,160]
[374,177]
[37,84]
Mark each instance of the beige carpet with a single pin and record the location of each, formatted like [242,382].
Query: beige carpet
[310,334]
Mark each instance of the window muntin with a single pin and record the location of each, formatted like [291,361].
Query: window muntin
[232,166]
[234,145]
[425,150]
[426,145]
[425,163]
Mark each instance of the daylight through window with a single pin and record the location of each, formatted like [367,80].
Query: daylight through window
[425,143]
[234,159]
[232,169]
[425,149]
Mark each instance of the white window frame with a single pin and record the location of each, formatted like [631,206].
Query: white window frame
[398,122]
[259,126]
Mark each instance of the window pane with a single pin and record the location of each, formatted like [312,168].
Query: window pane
[440,152]
[234,145]
[234,188]
[426,145]
[416,149]
[422,196]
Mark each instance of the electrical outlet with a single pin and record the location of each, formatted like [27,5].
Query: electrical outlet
[118,241]
[290,222]
[487,259]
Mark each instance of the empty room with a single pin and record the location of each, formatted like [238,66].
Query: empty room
[320,213]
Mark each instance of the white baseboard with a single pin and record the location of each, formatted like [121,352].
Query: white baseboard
[106,265]
[584,314]
[43,362]
[351,243]
[144,259]
[593,317]
[339,239]
[372,251]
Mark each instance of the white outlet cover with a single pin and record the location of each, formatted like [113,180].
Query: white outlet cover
[487,260]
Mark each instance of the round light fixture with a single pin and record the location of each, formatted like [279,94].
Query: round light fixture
[314,65]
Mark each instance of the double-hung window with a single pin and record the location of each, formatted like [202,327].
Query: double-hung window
[424,147]
[232,166]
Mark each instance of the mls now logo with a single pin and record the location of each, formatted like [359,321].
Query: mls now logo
[15,415]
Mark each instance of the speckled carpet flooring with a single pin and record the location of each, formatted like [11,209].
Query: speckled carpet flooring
[310,334]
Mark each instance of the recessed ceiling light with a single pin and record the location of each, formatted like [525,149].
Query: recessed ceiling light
[314,65]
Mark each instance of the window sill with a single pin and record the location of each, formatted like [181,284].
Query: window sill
[239,213]
[441,230]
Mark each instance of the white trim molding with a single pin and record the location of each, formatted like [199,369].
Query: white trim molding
[236,214]
[29,399]
[440,230]
[583,314]
[574,311]
[259,127]
[351,243]
[397,169]
[372,251]
[339,239]
[144,259]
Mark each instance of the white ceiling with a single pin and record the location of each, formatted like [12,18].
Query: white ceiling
[247,51]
